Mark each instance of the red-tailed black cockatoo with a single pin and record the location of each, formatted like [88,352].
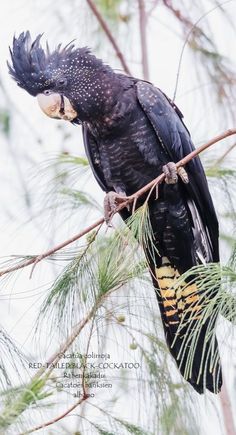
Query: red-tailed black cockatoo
[132,133]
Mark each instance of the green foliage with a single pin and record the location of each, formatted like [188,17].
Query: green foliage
[131,428]
[219,172]
[197,35]
[216,286]
[175,423]
[11,359]
[117,263]
[68,291]
[111,10]
[102,266]
[5,121]
[64,169]
[20,399]
[100,269]
[75,198]
[102,431]
[69,159]
[140,226]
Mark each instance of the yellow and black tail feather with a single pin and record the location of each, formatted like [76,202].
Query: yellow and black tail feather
[191,340]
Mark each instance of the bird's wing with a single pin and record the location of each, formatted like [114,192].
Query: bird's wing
[92,153]
[166,120]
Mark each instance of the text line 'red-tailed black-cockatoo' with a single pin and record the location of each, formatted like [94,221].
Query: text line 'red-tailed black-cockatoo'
[132,132]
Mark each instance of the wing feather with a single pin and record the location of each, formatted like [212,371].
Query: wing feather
[166,120]
[92,152]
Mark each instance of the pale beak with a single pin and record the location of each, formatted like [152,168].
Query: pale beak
[56,106]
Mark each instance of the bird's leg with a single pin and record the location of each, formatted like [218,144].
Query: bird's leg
[111,201]
[171,173]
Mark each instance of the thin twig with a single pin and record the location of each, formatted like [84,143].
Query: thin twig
[143,38]
[224,155]
[51,363]
[37,258]
[155,3]
[59,417]
[41,257]
[111,38]
[193,27]
[129,200]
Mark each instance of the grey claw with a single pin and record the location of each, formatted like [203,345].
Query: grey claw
[170,171]
[183,174]
[111,201]
[109,206]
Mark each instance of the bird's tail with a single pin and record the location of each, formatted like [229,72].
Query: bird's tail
[189,335]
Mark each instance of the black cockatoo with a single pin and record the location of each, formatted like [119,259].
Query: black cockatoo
[132,133]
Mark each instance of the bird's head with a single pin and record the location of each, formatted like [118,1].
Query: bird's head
[69,83]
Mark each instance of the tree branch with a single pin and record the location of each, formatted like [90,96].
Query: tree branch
[111,38]
[178,14]
[51,363]
[155,3]
[143,38]
[129,200]
[224,155]
[37,258]
[58,418]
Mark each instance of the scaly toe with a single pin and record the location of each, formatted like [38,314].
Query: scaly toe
[170,171]
[183,174]
[109,206]
[111,201]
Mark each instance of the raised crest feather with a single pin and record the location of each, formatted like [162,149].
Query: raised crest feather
[35,68]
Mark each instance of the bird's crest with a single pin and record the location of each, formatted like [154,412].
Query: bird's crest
[35,69]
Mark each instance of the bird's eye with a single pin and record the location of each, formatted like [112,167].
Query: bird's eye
[61,82]
[47,92]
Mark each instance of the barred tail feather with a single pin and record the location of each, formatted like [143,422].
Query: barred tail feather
[191,340]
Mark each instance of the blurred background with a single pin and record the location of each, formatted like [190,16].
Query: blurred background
[187,49]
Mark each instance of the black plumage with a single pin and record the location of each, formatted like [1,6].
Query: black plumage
[131,130]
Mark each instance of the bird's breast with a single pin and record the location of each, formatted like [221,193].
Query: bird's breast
[131,156]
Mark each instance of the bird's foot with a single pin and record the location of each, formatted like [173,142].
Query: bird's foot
[171,173]
[111,201]
[183,175]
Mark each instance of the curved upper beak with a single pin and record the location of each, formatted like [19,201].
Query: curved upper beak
[56,106]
